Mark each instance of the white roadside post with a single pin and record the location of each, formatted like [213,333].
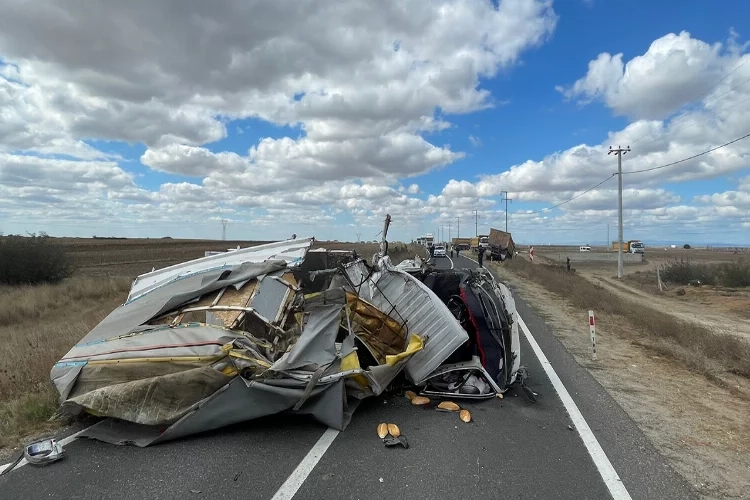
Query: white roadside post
[592,332]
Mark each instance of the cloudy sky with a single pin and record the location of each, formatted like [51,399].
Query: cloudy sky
[155,118]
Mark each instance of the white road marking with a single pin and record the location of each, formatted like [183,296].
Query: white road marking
[450,260]
[306,466]
[64,442]
[603,465]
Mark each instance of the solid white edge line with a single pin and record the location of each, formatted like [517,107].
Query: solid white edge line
[306,466]
[603,465]
[450,260]
[64,442]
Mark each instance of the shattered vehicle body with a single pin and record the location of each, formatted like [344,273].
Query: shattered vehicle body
[281,328]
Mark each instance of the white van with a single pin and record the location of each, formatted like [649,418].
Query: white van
[585,248]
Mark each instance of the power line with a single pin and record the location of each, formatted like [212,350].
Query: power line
[564,202]
[686,159]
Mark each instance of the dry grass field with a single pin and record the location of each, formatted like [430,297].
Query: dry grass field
[39,324]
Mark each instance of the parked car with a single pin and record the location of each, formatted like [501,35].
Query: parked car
[585,248]
[439,251]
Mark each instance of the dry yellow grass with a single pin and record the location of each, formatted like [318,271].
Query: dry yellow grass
[697,347]
[38,325]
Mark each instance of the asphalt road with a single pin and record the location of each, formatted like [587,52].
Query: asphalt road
[513,449]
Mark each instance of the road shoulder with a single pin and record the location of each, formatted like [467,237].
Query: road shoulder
[701,429]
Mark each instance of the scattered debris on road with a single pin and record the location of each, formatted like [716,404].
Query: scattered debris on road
[43,452]
[252,332]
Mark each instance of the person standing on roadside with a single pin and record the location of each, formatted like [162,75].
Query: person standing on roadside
[480,250]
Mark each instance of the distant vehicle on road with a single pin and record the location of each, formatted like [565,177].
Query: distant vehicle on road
[584,248]
[462,243]
[439,251]
[630,246]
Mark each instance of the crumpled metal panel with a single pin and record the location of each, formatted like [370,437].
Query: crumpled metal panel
[291,251]
[406,299]
[515,342]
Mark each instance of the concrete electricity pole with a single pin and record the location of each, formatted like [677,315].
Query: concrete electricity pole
[505,197]
[619,152]
[476,223]
[458,227]
[224,229]
[449,231]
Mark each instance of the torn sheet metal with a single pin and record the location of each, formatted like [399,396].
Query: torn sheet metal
[226,346]
[255,332]
[404,297]
[292,252]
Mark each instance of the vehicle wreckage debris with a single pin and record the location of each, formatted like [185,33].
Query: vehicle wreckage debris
[396,441]
[283,328]
[41,452]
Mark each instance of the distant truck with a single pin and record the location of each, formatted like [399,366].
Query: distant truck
[500,245]
[479,241]
[461,243]
[630,246]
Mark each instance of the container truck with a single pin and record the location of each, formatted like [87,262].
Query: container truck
[461,243]
[630,246]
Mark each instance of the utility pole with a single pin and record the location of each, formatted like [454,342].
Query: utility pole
[442,233]
[609,242]
[449,231]
[358,234]
[224,229]
[619,152]
[505,197]
[458,227]
[476,223]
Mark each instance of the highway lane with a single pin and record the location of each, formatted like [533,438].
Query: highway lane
[513,449]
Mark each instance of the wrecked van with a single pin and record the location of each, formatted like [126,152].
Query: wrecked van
[275,328]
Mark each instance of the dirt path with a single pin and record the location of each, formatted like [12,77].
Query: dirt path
[686,311]
[701,428]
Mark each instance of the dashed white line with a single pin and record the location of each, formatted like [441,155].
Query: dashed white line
[306,466]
